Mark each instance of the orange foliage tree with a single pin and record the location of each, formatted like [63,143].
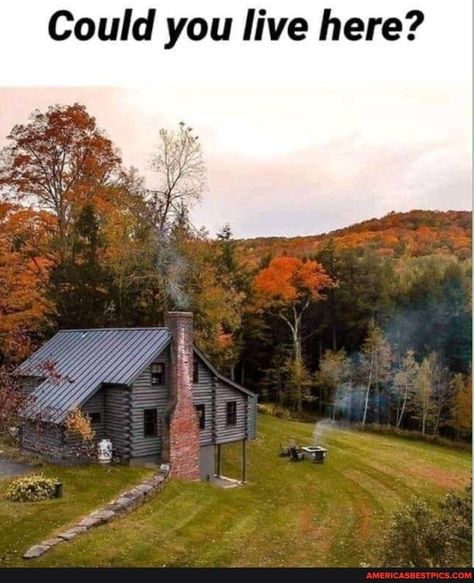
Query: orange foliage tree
[60,160]
[286,288]
[23,276]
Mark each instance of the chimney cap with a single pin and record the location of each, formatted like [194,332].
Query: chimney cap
[179,314]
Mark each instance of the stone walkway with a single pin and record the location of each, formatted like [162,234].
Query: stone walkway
[126,502]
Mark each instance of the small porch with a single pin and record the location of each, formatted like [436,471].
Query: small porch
[214,464]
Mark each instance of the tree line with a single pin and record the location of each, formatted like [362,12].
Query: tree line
[346,331]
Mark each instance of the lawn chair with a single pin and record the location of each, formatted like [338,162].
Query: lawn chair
[296,455]
[318,457]
[284,450]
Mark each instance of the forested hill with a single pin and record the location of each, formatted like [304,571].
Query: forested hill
[414,233]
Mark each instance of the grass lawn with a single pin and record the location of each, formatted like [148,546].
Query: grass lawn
[290,514]
[85,488]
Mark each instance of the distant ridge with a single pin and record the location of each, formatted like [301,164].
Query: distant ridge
[397,234]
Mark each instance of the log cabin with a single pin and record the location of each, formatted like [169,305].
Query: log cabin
[151,391]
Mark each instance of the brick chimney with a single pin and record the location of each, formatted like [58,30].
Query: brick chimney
[181,435]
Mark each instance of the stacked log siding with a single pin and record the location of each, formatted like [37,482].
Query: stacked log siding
[144,395]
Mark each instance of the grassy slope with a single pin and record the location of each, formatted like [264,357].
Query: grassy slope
[289,514]
[85,488]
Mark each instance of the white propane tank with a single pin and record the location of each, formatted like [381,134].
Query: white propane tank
[104,451]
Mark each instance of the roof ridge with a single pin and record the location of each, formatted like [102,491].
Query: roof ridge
[127,329]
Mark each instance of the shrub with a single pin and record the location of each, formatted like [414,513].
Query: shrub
[78,425]
[31,489]
[275,410]
[420,536]
[80,435]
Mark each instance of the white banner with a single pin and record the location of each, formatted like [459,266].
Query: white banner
[440,52]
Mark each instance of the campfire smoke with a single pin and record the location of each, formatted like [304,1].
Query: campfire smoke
[321,429]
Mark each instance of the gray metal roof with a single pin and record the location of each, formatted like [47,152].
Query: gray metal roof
[84,359]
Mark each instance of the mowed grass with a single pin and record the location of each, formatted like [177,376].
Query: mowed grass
[289,514]
[85,488]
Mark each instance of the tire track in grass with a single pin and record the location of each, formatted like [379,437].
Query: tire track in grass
[405,484]
[360,526]
[313,516]
[349,517]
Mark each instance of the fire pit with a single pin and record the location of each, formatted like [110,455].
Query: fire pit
[315,452]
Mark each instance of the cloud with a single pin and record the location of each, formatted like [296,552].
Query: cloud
[335,184]
[292,160]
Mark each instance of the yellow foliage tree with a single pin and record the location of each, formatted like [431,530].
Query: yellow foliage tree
[462,387]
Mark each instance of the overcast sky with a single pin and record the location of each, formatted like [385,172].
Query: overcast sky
[299,137]
[291,162]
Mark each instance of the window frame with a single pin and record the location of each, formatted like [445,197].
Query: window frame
[91,417]
[231,413]
[158,379]
[153,422]
[201,417]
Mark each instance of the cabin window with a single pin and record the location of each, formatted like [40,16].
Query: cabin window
[195,371]
[158,373]
[201,413]
[231,413]
[150,422]
[95,418]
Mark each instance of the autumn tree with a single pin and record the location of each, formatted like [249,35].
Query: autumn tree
[215,300]
[404,384]
[442,392]
[422,396]
[375,365]
[236,279]
[80,437]
[285,289]
[14,399]
[462,411]
[23,276]
[335,370]
[60,160]
[130,255]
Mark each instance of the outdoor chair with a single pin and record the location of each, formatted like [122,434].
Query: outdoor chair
[284,450]
[318,457]
[296,454]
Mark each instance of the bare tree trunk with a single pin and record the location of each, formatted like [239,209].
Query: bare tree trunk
[336,394]
[295,328]
[369,382]
[404,403]
[397,410]
[298,364]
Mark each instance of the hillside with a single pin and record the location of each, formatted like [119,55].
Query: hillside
[414,233]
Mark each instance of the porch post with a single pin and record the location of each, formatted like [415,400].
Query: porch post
[218,459]
[244,461]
